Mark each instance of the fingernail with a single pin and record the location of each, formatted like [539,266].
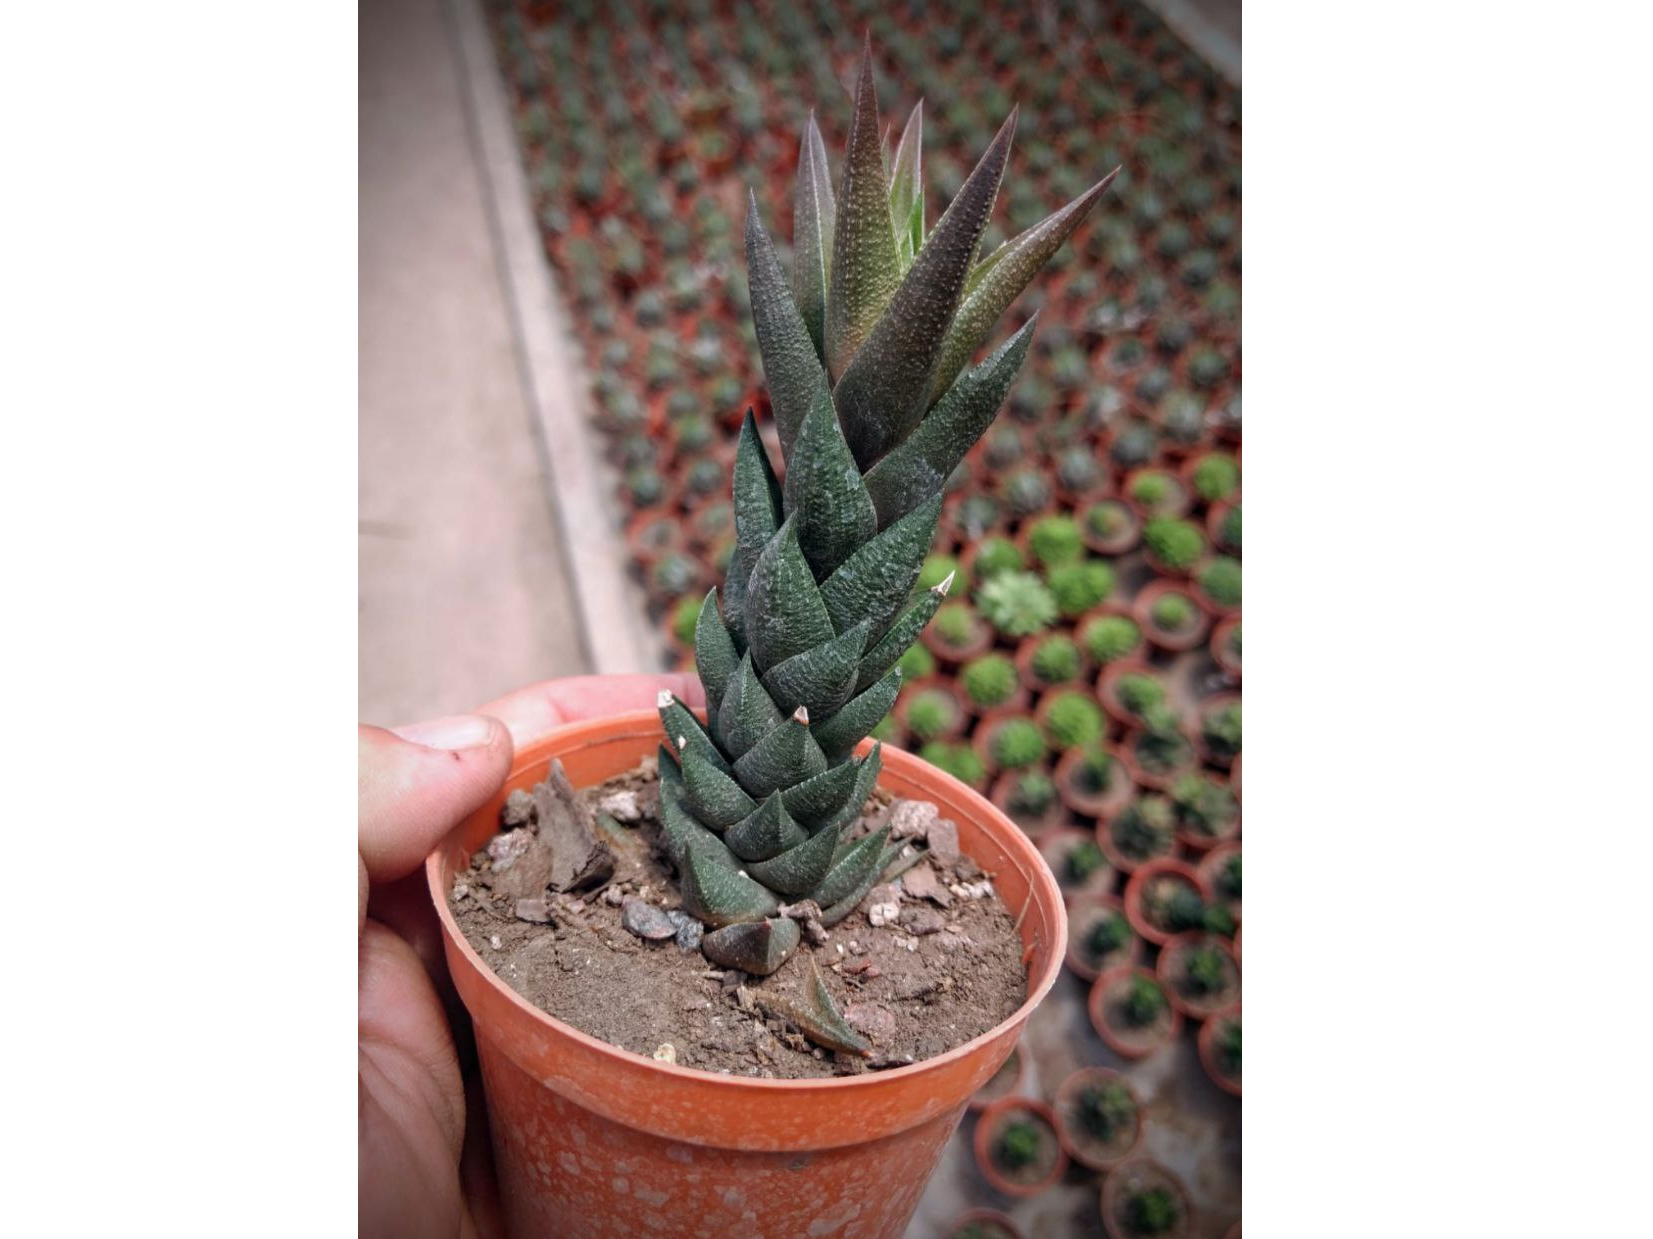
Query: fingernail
[459,731]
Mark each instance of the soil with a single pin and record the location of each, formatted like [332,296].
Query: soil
[946,969]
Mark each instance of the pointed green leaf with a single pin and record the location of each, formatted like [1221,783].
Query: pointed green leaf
[834,913]
[785,614]
[998,280]
[800,869]
[864,274]
[893,644]
[847,874]
[757,947]
[884,391]
[814,215]
[721,896]
[818,802]
[817,1015]
[715,798]
[873,583]
[747,713]
[907,188]
[679,829]
[765,832]
[715,656]
[757,503]
[866,777]
[847,728]
[820,679]
[824,492]
[684,731]
[791,368]
[918,466]
[787,755]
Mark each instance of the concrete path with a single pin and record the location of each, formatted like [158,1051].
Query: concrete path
[463,589]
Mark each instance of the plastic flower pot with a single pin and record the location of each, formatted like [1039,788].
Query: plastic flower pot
[1128,863]
[1152,777]
[1105,1008]
[1084,911]
[1171,968]
[1002,793]
[982,1224]
[1211,869]
[1172,640]
[1118,542]
[1222,637]
[1131,1177]
[593,1141]
[1082,1144]
[1076,792]
[1142,896]
[1028,1180]
[1007,1081]
[1176,503]
[1206,708]
[1210,1056]
[1058,846]
[1107,688]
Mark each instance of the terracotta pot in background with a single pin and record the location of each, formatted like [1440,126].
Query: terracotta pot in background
[1140,1174]
[1174,642]
[1103,806]
[1169,969]
[945,685]
[1210,870]
[1158,780]
[1055,848]
[1220,653]
[1150,872]
[1117,544]
[1083,912]
[992,1121]
[1081,1146]
[652,1144]
[1207,1045]
[1007,1081]
[1111,675]
[1209,705]
[1036,828]
[1122,1040]
[1006,1227]
[1177,503]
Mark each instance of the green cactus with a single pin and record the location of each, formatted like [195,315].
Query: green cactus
[1221,730]
[1107,1110]
[1144,1001]
[1228,1047]
[1139,692]
[1205,970]
[989,680]
[931,713]
[1017,604]
[1072,719]
[1143,829]
[1109,638]
[1173,612]
[916,664]
[1203,805]
[1152,488]
[1219,580]
[1080,586]
[958,760]
[935,570]
[1056,660]
[685,615]
[1176,543]
[1083,860]
[1109,934]
[1032,792]
[995,556]
[1018,1145]
[1054,540]
[1107,519]
[1151,1212]
[1216,477]
[1017,743]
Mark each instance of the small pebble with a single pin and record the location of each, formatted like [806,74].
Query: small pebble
[944,841]
[666,1053]
[614,896]
[519,809]
[505,849]
[493,941]
[912,819]
[536,910]
[646,921]
[876,1022]
[622,806]
[460,891]
[921,921]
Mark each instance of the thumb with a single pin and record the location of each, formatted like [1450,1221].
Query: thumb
[415,784]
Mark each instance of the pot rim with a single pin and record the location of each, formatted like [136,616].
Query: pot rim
[647,725]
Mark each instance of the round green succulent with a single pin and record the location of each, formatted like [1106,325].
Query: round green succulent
[1151,1212]
[1095,771]
[1080,586]
[1109,934]
[1220,579]
[995,556]
[674,573]
[1017,604]
[916,664]
[1018,1145]
[1056,660]
[1208,367]
[1144,1001]
[955,624]
[936,569]
[1144,828]
[1228,1047]
[1228,529]
[989,680]
[1216,477]
[1083,860]
[1161,747]
[1054,540]
[1139,693]
[1153,488]
[1228,878]
[930,713]
[1203,804]
[1025,491]
[1017,743]
[1108,638]
[1205,970]
[685,615]
[1073,718]
[1031,794]
[1107,519]
[1176,543]
[958,760]
[1173,612]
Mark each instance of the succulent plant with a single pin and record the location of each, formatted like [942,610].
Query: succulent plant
[685,615]
[1108,638]
[1025,491]
[1173,612]
[1152,1211]
[1073,718]
[1106,519]
[1203,805]
[1017,604]
[916,664]
[866,357]
[1219,580]
[1216,477]
[1082,860]
[1228,1047]
[958,760]
[1055,540]
[1143,828]
[1176,543]
[1144,1001]
[1221,730]
[1205,970]
[1080,586]
[1139,692]
[989,680]
[996,555]
[1228,529]
[1018,1145]
[1107,1109]
[1032,792]
[1017,743]
[1056,660]
[930,713]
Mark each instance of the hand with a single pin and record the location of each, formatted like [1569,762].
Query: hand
[421,1169]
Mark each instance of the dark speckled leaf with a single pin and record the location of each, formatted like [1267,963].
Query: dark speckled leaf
[847,728]
[791,368]
[864,271]
[918,467]
[819,801]
[717,800]
[715,656]
[787,755]
[872,584]
[747,713]
[814,215]
[765,832]
[883,393]
[893,644]
[824,492]
[866,776]
[757,503]
[785,614]
[854,865]
[817,1015]
[719,895]
[757,947]
[799,869]
[685,731]
[822,678]
[1000,277]
[679,828]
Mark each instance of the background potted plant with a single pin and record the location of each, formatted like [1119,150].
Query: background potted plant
[1131,1013]
[1016,1146]
[1111,635]
[1165,898]
[1199,974]
[1219,728]
[1159,752]
[1205,810]
[1220,871]
[1170,616]
[1099,936]
[1141,1198]
[1092,779]
[1098,1117]
[1143,831]
[983,1224]
[1219,1048]
[1079,864]
[1218,582]
[1225,646]
[1129,691]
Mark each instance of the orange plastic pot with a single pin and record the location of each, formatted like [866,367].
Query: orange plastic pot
[593,1142]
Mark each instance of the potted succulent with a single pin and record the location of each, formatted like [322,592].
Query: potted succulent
[958,759]
[1219,729]
[1099,936]
[931,710]
[1213,478]
[1144,830]
[982,1224]
[1093,780]
[1052,541]
[1079,586]
[1218,581]
[1222,526]
[957,634]
[990,682]
[1110,635]
[1016,604]
[1159,753]
[1164,898]
[1220,871]
[1199,974]
[1170,616]
[986,558]
[1009,740]
[1071,720]
[1045,661]
[1130,691]
[1219,1047]
[1131,1013]
[1016,1146]
[1141,1199]
[1028,798]
[1156,492]
[1205,810]
[1174,545]
[759,802]
[1098,1117]
[1080,866]
[1110,527]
